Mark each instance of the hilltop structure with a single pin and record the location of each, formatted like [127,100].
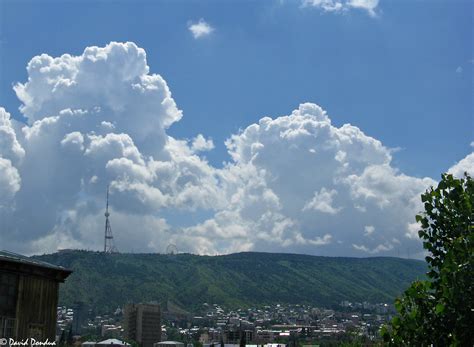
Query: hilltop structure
[109,246]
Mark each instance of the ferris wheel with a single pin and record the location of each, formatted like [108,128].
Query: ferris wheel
[171,249]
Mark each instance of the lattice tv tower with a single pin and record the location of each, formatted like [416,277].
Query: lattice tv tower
[109,246]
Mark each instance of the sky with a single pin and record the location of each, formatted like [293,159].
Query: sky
[304,126]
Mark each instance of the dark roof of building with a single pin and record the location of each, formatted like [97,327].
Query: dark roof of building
[18,259]
[10,256]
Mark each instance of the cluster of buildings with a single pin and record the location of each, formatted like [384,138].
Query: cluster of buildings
[140,323]
[215,326]
[286,323]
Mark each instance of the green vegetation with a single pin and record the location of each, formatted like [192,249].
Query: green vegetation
[440,310]
[106,281]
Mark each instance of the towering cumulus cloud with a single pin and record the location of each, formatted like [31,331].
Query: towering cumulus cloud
[11,153]
[294,183]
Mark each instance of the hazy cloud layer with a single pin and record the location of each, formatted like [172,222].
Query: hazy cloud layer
[293,183]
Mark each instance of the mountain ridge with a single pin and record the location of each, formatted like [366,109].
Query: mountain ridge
[108,281]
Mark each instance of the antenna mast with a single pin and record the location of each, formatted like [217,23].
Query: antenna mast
[109,246]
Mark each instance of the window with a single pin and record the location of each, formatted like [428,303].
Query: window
[7,327]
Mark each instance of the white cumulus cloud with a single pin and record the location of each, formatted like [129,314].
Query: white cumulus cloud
[95,119]
[323,180]
[10,182]
[322,201]
[200,29]
[292,183]
[10,148]
[201,144]
[465,165]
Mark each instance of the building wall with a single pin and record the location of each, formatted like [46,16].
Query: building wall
[142,323]
[130,322]
[28,297]
[8,299]
[8,293]
[234,336]
[150,325]
[36,308]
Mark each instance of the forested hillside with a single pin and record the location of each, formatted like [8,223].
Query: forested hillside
[107,281]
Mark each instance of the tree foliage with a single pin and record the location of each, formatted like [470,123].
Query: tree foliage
[105,281]
[440,310]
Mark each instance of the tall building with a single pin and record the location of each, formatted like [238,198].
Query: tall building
[234,336]
[28,297]
[142,323]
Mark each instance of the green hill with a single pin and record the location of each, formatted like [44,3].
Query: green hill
[106,281]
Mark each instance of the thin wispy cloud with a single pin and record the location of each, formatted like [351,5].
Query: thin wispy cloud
[200,29]
[340,6]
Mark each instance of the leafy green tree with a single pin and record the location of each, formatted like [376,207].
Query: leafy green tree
[173,334]
[440,310]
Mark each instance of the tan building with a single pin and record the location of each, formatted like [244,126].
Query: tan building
[142,323]
[28,297]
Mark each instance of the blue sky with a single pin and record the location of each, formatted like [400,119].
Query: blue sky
[400,71]
[394,76]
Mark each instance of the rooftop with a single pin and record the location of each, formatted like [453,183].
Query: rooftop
[170,343]
[113,342]
[16,262]
[10,256]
